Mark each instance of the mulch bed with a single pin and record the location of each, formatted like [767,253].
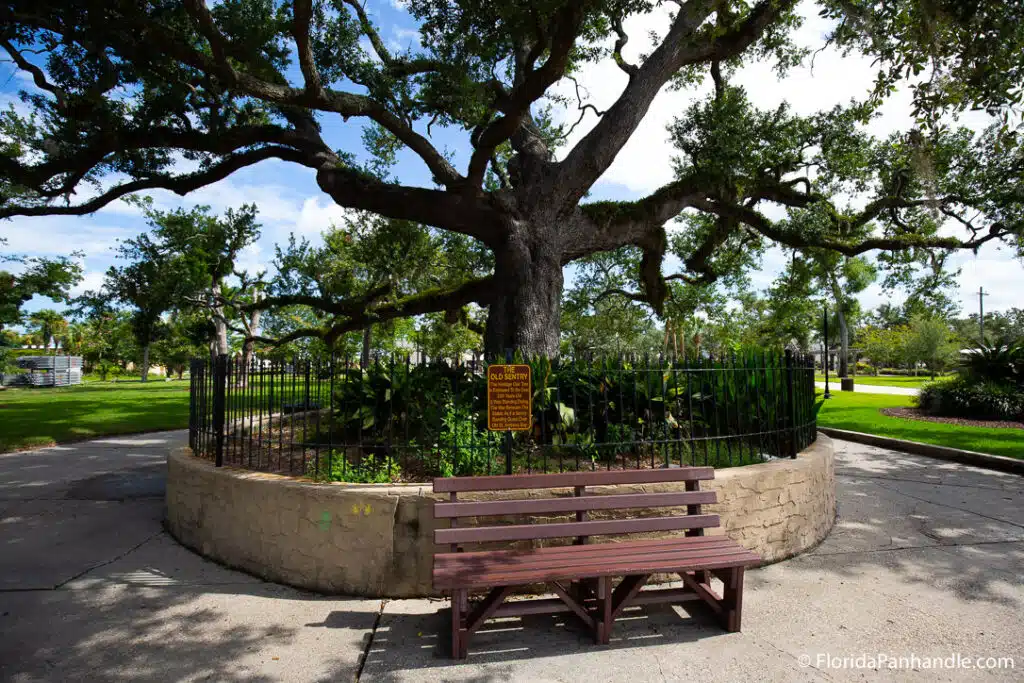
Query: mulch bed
[916,414]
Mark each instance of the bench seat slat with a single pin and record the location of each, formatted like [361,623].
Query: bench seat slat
[569,563]
[645,545]
[500,571]
[507,482]
[535,506]
[553,556]
[522,532]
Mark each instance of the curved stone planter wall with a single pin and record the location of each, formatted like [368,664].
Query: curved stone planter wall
[374,540]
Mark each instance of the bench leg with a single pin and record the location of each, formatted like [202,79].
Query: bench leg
[732,600]
[603,622]
[460,637]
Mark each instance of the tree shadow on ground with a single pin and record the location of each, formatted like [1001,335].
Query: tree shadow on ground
[168,633]
[913,537]
[101,592]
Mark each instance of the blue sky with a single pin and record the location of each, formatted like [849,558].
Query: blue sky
[290,202]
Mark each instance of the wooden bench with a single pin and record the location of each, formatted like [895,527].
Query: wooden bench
[581,575]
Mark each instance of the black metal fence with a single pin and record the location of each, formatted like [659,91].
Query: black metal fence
[398,420]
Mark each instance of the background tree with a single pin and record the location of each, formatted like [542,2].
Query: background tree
[884,347]
[37,276]
[152,284]
[931,341]
[205,248]
[1001,327]
[599,316]
[105,339]
[186,335]
[376,270]
[844,278]
[214,84]
[48,324]
[786,315]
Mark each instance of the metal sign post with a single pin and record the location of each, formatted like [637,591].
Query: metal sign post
[825,354]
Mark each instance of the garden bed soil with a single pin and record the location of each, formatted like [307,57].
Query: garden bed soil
[917,414]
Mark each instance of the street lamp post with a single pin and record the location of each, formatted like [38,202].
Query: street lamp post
[824,354]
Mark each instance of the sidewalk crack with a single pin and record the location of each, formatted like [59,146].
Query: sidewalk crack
[369,641]
[110,561]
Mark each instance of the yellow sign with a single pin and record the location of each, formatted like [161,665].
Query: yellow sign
[509,398]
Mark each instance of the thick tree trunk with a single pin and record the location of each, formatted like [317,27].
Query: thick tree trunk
[525,317]
[364,358]
[248,348]
[844,336]
[219,342]
[145,363]
[844,343]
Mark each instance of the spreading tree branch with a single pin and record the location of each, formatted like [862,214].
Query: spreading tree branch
[798,240]
[595,152]
[38,77]
[179,184]
[356,317]
[620,42]
[602,226]
[302,16]
[470,215]
[532,87]
[344,103]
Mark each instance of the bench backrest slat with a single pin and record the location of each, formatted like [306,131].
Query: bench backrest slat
[522,532]
[581,502]
[540,506]
[508,482]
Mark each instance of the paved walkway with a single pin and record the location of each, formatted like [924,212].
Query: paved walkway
[870,389]
[927,558]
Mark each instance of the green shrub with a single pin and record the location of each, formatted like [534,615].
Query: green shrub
[369,470]
[104,369]
[972,398]
[462,448]
[996,363]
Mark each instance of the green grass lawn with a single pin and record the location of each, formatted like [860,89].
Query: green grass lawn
[43,416]
[860,413]
[886,380]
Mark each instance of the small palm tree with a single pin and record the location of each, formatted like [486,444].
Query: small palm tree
[48,324]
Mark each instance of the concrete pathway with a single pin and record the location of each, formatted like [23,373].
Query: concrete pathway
[870,389]
[926,559]
[93,589]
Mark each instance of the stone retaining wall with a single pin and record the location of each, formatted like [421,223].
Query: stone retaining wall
[376,540]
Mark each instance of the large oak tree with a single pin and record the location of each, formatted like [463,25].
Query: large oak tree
[126,91]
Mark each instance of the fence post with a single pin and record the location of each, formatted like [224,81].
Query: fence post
[508,434]
[306,405]
[193,404]
[220,375]
[791,400]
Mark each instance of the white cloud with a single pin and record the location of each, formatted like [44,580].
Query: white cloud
[314,217]
[55,235]
[251,260]
[403,39]
[997,271]
[91,281]
[367,47]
